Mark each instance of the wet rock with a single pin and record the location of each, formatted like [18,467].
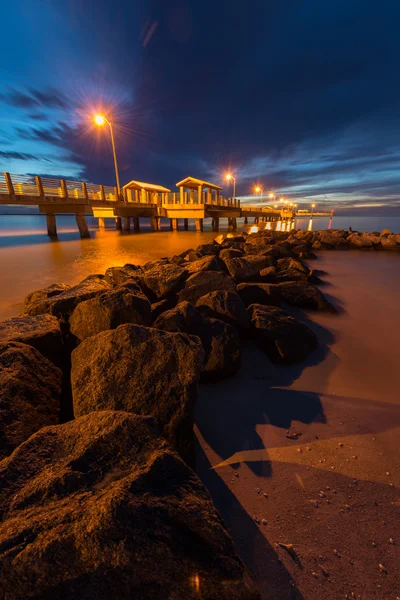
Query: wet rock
[388,242]
[226,306]
[203,282]
[305,295]
[220,341]
[208,249]
[161,280]
[317,245]
[30,389]
[141,370]
[228,253]
[207,263]
[292,263]
[292,275]
[40,331]
[102,507]
[37,297]
[386,232]
[283,338]
[62,305]
[259,293]
[123,304]
[359,241]
[159,307]
[118,275]
[241,269]
[332,239]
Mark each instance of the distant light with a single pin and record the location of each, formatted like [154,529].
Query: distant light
[99,120]
[275,206]
[257,189]
[228,176]
[271,195]
[313,205]
[281,199]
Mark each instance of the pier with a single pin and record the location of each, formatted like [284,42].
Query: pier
[195,199]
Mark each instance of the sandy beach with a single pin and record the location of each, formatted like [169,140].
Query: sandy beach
[333,493]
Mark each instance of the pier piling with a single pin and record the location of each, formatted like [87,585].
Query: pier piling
[82,226]
[51,225]
[127,223]
[118,223]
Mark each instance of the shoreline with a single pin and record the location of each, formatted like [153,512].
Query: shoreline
[203,294]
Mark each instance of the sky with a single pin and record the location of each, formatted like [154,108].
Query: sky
[298,96]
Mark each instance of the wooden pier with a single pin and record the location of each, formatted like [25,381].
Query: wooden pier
[196,199]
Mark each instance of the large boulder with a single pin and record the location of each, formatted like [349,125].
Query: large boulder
[123,304]
[30,389]
[240,269]
[228,253]
[259,293]
[388,242]
[260,262]
[207,263]
[220,341]
[162,280]
[292,263]
[38,296]
[292,275]
[203,282]
[359,241]
[63,305]
[226,306]
[118,275]
[305,295]
[268,275]
[40,331]
[103,508]
[141,370]
[282,337]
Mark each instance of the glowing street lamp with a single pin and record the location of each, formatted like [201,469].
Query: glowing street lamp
[259,190]
[312,210]
[100,120]
[228,177]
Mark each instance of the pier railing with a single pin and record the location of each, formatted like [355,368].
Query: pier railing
[39,187]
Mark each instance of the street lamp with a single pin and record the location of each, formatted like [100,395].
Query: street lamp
[100,120]
[258,190]
[229,176]
[312,210]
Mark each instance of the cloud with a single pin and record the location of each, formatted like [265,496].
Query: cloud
[33,98]
[22,156]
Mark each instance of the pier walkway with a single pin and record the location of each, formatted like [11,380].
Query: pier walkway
[196,199]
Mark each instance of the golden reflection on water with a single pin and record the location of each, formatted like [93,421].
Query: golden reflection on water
[309,225]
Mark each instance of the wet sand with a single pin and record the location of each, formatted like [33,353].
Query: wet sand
[334,492]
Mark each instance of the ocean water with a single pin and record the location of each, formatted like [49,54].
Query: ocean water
[30,260]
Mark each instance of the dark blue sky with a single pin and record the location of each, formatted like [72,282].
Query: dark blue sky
[299,95]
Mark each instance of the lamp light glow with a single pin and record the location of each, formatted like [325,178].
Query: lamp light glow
[99,120]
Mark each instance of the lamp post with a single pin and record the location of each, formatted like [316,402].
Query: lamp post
[228,177]
[100,120]
[258,190]
[312,210]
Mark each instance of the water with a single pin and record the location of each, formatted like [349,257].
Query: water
[30,260]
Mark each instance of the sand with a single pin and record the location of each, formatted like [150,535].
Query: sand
[334,492]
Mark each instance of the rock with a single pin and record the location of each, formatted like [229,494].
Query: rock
[268,275]
[226,306]
[331,239]
[208,249]
[228,253]
[159,262]
[102,507]
[118,275]
[374,239]
[386,232]
[317,245]
[259,293]
[305,295]
[123,304]
[241,269]
[220,341]
[258,250]
[62,305]
[292,263]
[207,263]
[283,338]
[203,282]
[30,389]
[292,275]
[388,242]
[279,251]
[359,241]
[37,297]
[40,331]
[141,370]
[259,262]
[304,235]
[159,307]
[161,280]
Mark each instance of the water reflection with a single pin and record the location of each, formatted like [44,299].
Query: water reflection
[309,225]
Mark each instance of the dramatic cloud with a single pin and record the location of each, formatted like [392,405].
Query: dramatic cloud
[21,156]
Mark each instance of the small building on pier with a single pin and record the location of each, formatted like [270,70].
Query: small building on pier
[207,193]
[141,192]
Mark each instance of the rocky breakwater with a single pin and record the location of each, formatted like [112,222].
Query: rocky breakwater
[107,505]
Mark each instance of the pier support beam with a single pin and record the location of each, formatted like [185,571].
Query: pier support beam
[118,223]
[185,224]
[136,225]
[234,223]
[215,224]
[127,223]
[199,224]
[153,223]
[174,224]
[82,226]
[246,221]
[51,225]
[101,223]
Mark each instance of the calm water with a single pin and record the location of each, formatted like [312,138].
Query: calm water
[30,260]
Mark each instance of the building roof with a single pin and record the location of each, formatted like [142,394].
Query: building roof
[192,182]
[142,185]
